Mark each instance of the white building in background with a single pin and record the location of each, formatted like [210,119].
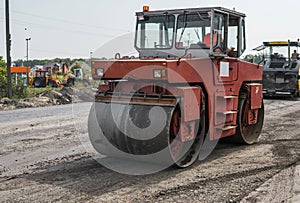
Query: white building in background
[35,68]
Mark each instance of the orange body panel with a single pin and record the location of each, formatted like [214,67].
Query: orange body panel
[255,95]
[220,80]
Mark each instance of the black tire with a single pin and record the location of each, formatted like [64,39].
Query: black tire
[39,82]
[71,82]
[52,83]
[247,134]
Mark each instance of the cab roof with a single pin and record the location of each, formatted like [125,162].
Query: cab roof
[193,10]
[281,43]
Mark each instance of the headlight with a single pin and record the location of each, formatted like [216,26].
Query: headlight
[100,72]
[157,74]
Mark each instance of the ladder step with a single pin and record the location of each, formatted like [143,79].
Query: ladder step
[228,112]
[229,127]
[231,97]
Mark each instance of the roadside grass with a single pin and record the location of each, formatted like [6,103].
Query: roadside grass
[24,92]
[33,91]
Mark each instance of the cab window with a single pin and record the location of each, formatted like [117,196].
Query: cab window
[192,29]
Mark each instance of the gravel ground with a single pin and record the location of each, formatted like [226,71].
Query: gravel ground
[45,156]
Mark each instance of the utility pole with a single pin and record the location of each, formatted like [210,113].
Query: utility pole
[8,45]
[91,57]
[27,64]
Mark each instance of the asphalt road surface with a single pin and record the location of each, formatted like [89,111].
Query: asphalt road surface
[45,156]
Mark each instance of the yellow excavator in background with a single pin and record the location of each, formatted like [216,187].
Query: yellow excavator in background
[56,76]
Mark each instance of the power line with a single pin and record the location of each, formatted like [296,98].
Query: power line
[68,22]
[24,23]
[61,28]
[54,52]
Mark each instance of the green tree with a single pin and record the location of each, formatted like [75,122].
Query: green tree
[19,90]
[2,62]
[3,78]
[77,66]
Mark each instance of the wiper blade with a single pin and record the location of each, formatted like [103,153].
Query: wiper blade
[197,34]
[182,31]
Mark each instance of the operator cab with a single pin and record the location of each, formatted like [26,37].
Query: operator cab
[278,54]
[201,32]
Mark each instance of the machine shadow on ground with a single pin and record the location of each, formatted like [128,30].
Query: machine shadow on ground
[88,176]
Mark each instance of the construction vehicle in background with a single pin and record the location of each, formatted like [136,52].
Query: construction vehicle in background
[80,77]
[281,74]
[187,85]
[56,76]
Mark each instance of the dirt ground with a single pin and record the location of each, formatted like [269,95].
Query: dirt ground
[45,156]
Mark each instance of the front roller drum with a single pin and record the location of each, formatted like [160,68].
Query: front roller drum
[143,133]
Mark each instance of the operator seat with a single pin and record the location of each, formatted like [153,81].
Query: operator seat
[206,39]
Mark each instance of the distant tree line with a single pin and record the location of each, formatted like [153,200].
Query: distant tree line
[34,62]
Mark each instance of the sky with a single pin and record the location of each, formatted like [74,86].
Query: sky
[75,28]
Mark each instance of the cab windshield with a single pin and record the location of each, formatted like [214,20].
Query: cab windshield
[155,32]
[279,52]
[192,29]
